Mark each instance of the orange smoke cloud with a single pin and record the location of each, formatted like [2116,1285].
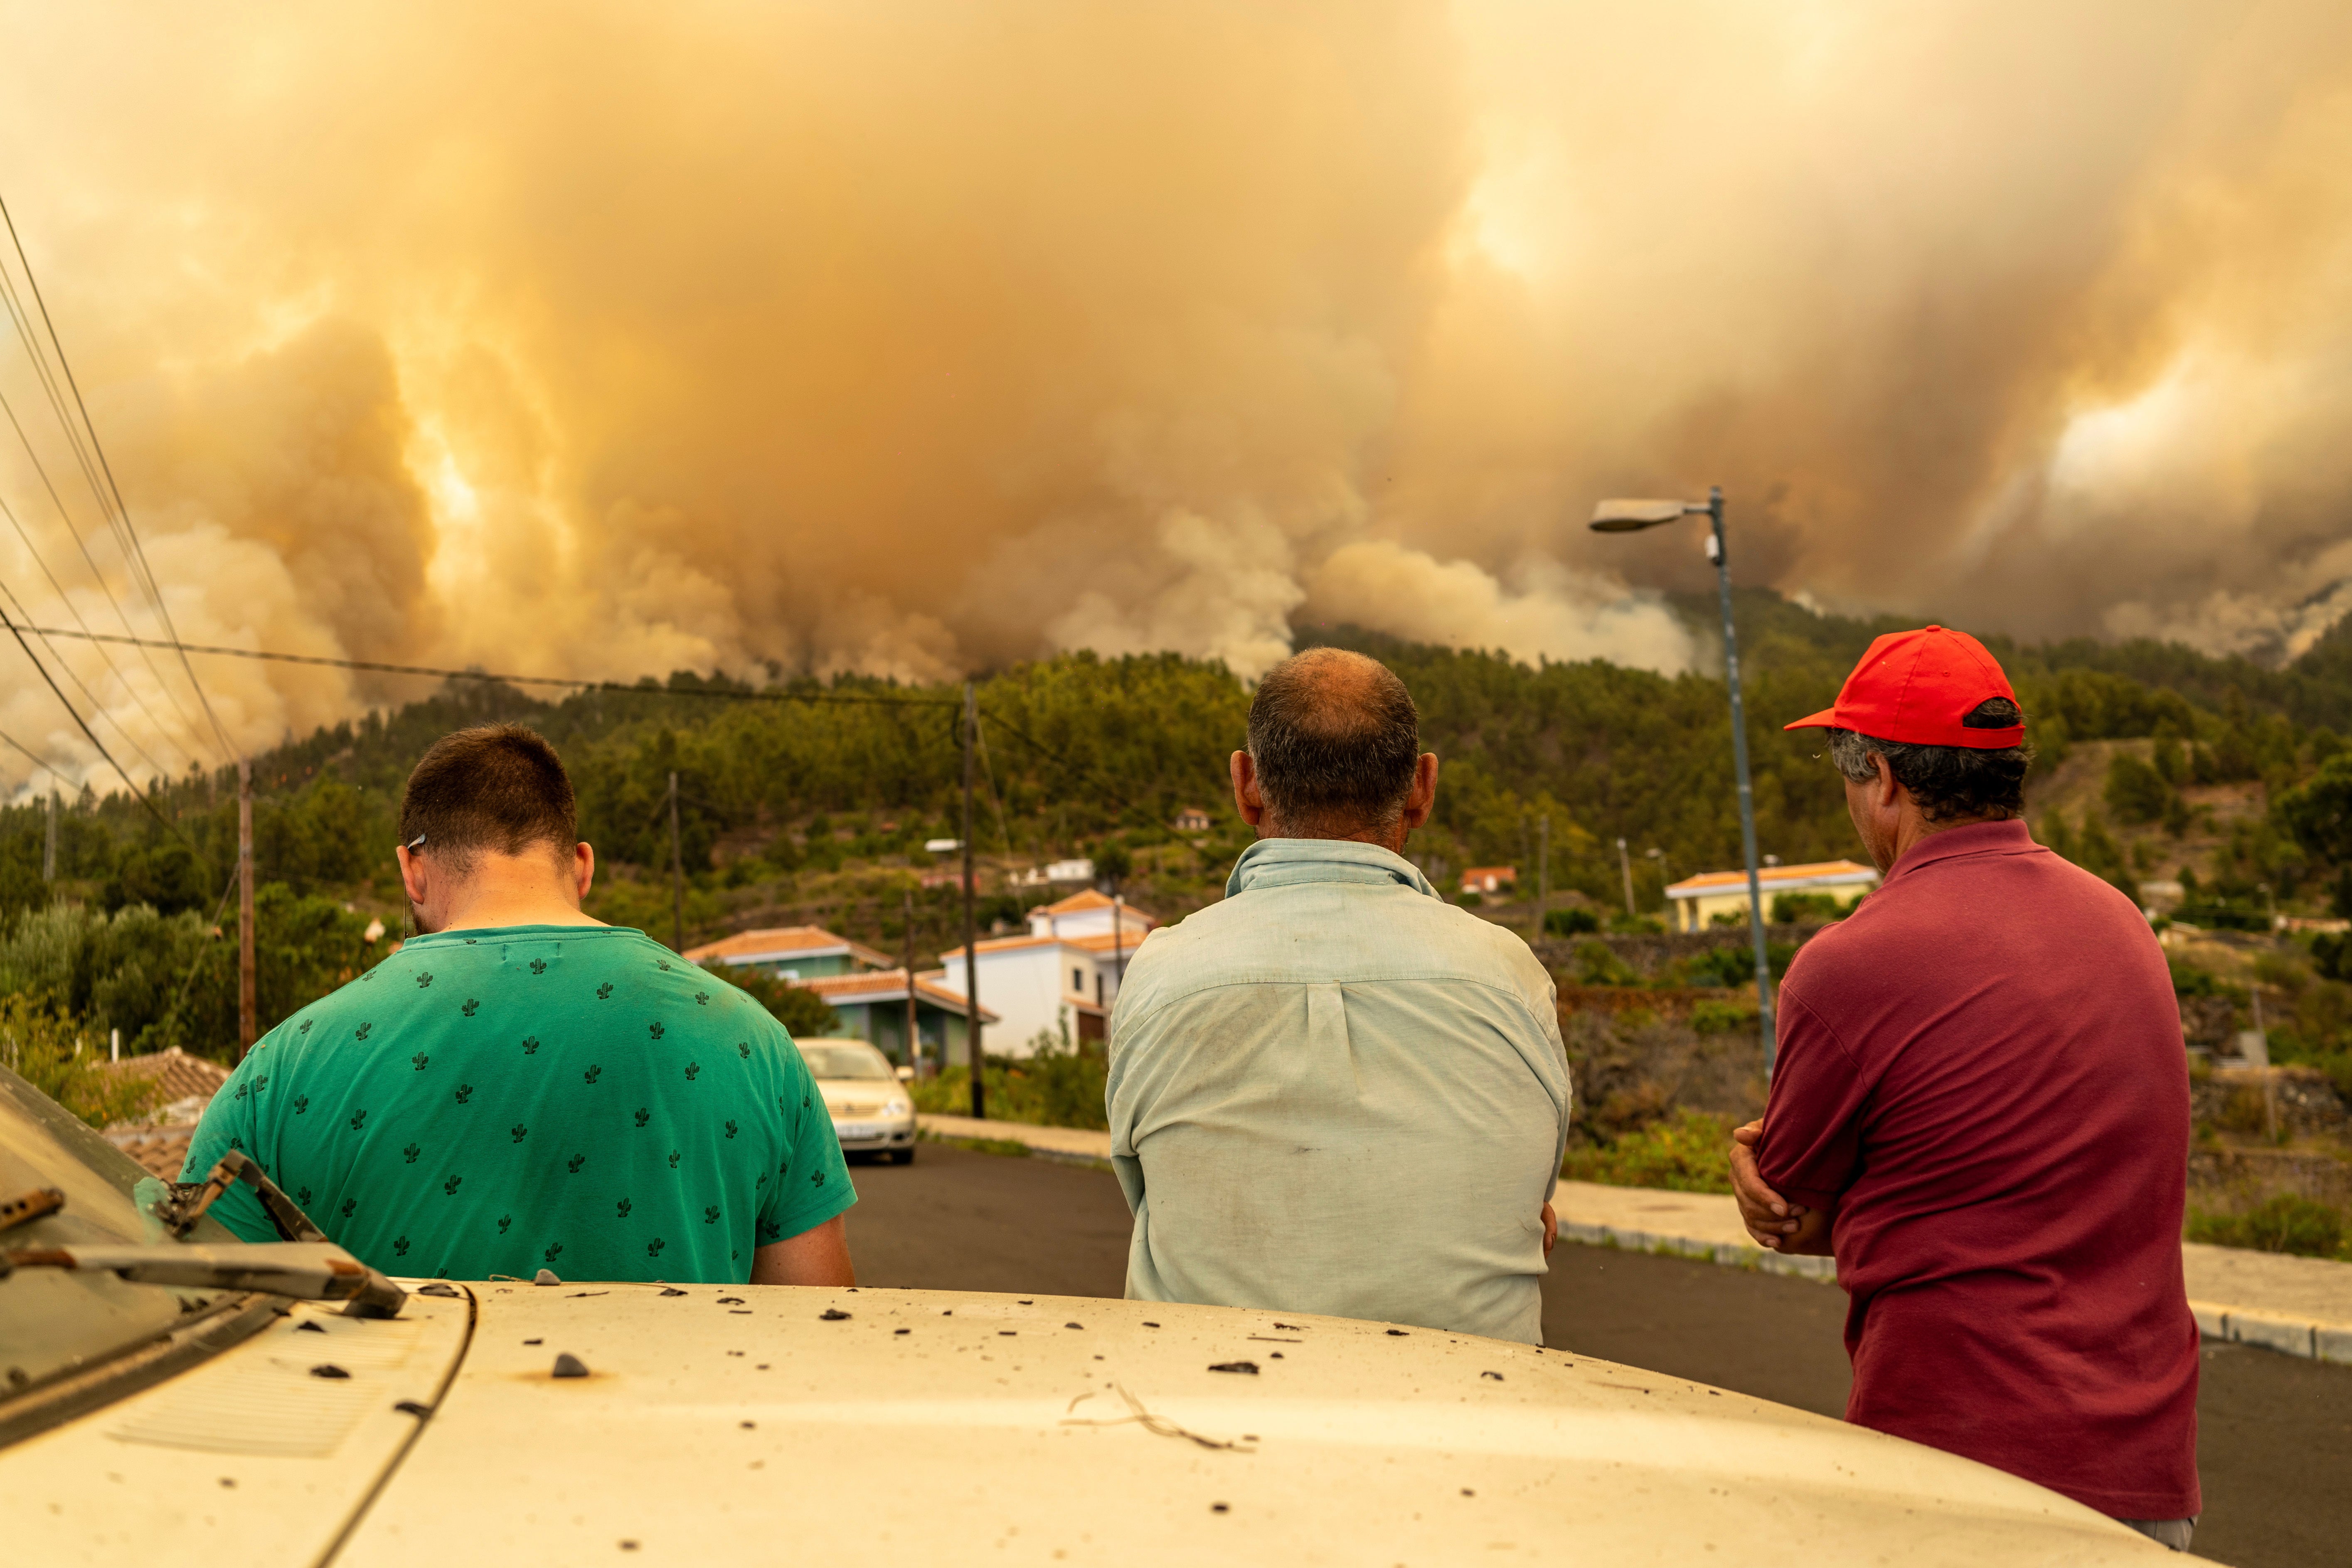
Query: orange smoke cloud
[603,341]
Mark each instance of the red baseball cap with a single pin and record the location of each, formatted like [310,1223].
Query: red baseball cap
[1915,687]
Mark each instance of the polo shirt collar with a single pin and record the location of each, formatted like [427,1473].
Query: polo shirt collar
[1977,838]
[1287,862]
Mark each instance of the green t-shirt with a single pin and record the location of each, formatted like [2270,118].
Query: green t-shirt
[497,1101]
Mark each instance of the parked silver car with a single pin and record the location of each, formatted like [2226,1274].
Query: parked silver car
[873,1113]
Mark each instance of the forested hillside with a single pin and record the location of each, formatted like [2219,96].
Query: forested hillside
[811,801]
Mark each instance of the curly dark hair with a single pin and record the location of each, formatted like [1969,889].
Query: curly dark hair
[1950,783]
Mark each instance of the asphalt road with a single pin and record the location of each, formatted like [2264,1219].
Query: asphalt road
[2275,1439]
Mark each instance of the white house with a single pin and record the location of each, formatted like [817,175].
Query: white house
[1067,966]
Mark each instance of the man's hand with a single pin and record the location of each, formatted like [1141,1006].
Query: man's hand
[1552,1229]
[818,1256]
[1771,1219]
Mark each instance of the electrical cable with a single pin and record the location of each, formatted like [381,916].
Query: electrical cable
[97,705]
[96,575]
[55,771]
[723,693]
[168,824]
[137,552]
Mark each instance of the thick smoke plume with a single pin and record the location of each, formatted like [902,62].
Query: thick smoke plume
[604,340]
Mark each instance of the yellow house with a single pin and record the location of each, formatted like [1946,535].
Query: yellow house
[1696,900]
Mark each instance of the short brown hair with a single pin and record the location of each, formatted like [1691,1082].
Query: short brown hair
[495,786]
[1336,739]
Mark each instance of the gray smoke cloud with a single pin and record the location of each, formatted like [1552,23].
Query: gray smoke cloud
[598,339]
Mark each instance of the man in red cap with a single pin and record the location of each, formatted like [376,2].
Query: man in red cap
[1982,1100]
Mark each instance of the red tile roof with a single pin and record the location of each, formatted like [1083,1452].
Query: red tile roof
[889,985]
[781,942]
[175,1074]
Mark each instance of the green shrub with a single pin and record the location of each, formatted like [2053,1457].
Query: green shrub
[1570,922]
[1807,908]
[60,1057]
[1689,1152]
[2283,1224]
[1712,1017]
[1060,1084]
[804,1014]
[1598,965]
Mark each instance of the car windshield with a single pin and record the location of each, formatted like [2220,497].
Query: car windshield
[843,1058]
[58,1321]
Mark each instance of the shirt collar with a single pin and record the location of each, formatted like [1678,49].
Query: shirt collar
[1287,862]
[1976,838]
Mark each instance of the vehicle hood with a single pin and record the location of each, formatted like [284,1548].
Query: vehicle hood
[718,1424]
[960,1427]
[875,1091]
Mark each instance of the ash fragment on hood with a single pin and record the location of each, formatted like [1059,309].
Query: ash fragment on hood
[438,1289]
[833,1315]
[1244,1366]
[570,1365]
[308,1327]
[1496,1375]
[545,1277]
[672,1290]
[412,1407]
[1396,1333]
[328,1369]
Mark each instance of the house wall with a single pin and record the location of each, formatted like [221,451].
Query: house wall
[884,1025]
[1698,914]
[1024,987]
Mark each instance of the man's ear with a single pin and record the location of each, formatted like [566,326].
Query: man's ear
[1422,799]
[583,867]
[412,873]
[1247,798]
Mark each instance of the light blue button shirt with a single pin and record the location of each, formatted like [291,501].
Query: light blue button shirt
[1335,1092]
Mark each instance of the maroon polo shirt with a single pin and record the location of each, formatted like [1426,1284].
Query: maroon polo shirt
[1983,1067]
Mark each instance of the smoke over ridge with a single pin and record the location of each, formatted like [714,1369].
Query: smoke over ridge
[602,340]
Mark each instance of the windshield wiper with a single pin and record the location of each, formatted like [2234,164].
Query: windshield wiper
[306,1270]
[306,1265]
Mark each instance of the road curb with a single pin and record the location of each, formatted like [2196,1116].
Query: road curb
[1823,1269]
[1704,1222]
[1069,1145]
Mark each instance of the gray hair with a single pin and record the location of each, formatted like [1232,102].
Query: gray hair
[1335,737]
[1950,783]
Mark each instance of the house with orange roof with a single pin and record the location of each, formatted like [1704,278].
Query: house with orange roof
[867,991]
[790,952]
[1065,970]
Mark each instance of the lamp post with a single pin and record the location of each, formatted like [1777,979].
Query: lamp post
[1631,517]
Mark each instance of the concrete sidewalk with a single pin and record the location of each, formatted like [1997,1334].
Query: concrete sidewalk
[2302,1306]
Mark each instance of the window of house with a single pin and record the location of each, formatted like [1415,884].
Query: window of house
[1078,981]
[1097,990]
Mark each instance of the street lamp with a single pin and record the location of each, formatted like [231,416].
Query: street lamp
[1632,516]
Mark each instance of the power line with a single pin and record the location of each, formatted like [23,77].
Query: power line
[140,794]
[135,557]
[58,588]
[32,756]
[97,705]
[722,694]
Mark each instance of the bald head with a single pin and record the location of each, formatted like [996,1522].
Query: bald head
[1334,739]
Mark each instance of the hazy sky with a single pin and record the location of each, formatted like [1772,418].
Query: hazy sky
[602,339]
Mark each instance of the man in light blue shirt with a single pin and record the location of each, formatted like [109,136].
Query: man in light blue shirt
[1335,1092]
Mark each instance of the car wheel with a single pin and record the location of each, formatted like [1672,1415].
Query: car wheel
[903,1156]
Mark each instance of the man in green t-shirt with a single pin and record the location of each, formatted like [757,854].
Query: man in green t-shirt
[525,1088]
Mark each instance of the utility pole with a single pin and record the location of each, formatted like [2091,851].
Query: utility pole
[1543,867]
[914,1024]
[248,1008]
[972,1051]
[50,843]
[677,875]
[1118,962]
[1626,865]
